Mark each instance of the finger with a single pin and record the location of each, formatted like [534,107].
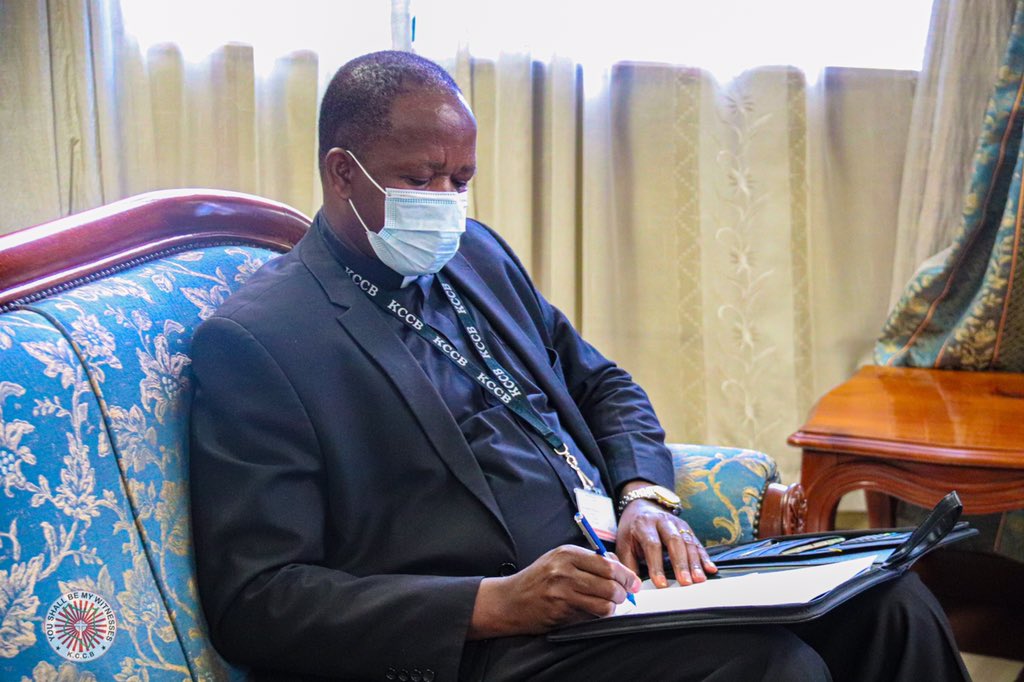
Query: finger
[625,575]
[625,554]
[595,606]
[678,551]
[709,565]
[650,542]
[693,552]
[607,589]
[592,576]
[703,561]
[610,568]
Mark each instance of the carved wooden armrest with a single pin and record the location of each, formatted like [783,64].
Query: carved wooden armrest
[783,510]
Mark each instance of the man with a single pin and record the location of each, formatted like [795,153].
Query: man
[392,430]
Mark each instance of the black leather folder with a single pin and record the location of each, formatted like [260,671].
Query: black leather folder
[895,551]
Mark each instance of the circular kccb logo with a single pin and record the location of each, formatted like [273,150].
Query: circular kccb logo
[80,626]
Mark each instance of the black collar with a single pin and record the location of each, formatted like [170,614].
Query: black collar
[370,268]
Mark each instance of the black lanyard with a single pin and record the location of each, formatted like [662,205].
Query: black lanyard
[495,379]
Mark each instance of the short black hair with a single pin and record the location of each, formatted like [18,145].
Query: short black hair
[356,107]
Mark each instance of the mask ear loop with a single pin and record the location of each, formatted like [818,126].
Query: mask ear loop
[351,203]
[361,221]
[365,173]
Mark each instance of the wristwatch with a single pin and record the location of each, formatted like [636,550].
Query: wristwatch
[655,493]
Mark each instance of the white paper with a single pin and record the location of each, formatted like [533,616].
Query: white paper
[770,588]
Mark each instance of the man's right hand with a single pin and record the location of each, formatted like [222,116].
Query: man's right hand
[566,585]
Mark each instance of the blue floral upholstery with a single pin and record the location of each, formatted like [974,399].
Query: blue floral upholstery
[110,517]
[721,490]
[94,398]
[67,523]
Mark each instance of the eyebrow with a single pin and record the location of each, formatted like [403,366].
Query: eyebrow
[434,166]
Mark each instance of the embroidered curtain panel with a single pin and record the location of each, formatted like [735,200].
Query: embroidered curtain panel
[729,243]
[711,237]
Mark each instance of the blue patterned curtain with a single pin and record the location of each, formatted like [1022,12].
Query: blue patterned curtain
[964,308]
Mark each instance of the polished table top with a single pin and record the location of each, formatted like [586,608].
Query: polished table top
[977,418]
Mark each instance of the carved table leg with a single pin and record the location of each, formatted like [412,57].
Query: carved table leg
[881,509]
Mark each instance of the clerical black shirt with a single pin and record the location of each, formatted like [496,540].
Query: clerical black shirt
[532,486]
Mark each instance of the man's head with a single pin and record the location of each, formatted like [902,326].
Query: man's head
[405,120]
[355,108]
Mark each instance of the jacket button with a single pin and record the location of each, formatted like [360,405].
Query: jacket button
[416,675]
[403,676]
[507,569]
[390,674]
[428,675]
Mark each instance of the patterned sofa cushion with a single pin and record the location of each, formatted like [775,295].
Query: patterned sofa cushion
[721,490]
[131,331]
[68,526]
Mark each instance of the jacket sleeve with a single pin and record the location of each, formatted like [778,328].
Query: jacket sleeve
[261,536]
[616,409]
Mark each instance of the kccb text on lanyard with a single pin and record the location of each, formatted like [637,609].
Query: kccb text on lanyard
[494,379]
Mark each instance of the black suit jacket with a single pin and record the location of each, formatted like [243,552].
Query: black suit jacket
[341,521]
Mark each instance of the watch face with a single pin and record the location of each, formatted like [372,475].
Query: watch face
[666,495]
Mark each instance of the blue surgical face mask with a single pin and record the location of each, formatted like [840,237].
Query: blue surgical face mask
[421,229]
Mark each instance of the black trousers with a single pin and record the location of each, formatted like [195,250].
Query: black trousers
[896,631]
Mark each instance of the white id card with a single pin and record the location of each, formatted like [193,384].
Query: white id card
[599,512]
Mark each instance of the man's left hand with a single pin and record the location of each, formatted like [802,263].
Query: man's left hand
[646,530]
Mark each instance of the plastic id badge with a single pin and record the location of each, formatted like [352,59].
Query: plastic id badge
[599,511]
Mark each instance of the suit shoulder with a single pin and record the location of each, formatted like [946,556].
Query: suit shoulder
[483,241]
[279,291]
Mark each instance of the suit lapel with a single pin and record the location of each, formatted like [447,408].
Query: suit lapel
[365,323]
[509,321]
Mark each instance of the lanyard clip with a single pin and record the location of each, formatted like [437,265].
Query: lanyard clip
[570,459]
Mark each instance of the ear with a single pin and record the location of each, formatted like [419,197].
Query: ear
[337,173]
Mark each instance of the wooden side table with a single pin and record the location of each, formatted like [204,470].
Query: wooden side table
[915,434]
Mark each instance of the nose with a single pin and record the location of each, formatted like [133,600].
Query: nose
[444,184]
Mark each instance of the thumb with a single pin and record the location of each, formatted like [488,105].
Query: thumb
[628,578]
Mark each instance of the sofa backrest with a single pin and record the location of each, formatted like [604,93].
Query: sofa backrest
[96,570]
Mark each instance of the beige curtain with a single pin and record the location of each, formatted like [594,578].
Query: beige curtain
[729,244]
[88,118]
[966,43]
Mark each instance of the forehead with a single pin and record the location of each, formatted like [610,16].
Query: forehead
[426,117]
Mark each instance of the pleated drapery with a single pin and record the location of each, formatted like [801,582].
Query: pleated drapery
[967,42]
[964,308]
[728,243]
[88,117]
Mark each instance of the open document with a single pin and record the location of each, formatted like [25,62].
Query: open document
[767,582]
[770,588]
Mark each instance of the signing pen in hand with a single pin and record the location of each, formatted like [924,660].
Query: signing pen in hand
[596,543]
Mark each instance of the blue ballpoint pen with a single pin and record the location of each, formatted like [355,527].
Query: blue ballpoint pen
[596,543]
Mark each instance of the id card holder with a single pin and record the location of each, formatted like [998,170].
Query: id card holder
[599,511]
